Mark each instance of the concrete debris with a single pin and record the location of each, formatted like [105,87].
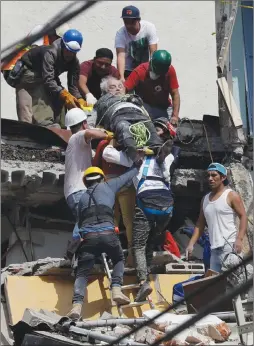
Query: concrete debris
[40,267]
[205,331]
[213,327]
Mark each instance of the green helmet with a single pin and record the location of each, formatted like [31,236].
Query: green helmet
[160,62]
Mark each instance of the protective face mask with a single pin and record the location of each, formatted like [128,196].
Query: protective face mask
[153,75]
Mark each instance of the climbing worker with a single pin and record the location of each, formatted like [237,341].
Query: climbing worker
[97,229]
[125,198]
[154,81]
[78,158]
[92,72]
[218,211]
[134,42]
[124,115]
[154,205]
[40,95]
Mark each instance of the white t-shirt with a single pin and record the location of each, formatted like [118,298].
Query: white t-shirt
[78,158]
[136,46]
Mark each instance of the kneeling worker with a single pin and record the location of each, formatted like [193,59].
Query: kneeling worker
[96,224]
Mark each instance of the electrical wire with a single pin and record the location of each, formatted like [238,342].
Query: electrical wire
[69,12]
[205,311]
[187,297]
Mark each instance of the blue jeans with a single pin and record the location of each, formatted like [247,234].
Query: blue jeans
[156,113]
[73,201]
[218,255]
[93,246]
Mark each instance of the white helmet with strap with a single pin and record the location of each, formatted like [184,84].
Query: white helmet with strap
[75,116]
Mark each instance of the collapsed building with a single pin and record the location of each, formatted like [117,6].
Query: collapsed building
[37,225]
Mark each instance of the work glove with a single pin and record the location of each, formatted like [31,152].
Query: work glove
[110,135]
[90,99]
[82,103]
[69,100]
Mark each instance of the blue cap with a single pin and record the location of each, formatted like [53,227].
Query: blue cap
[219,168]
[130,12]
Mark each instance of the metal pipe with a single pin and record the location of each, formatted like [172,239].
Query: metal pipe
[230,316]
[102,337]
[112,322]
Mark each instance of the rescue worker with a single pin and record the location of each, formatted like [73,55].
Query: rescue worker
[96,224]
[40,95]
[218,211]
[78,158]
[125,198]
[117,111]
[154,81]
[154,205]
[45,40]
[92,72]
[134,42]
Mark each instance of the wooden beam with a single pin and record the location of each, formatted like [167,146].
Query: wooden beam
[230,102]
[227,38]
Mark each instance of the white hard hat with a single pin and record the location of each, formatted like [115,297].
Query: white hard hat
[74,116]
[62,29]
[34,31]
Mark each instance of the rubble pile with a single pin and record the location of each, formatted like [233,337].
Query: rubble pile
[207,331]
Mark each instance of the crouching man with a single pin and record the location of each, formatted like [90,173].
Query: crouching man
[96,224]
[154,205]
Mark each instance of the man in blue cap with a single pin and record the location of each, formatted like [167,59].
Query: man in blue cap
[218,210]
[134,42]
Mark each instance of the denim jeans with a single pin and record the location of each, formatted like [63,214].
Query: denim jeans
[218,256]
[93,246]
[156,112]
[73,201]
[147,233]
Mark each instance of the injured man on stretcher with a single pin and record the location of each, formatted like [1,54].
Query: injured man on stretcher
[126,117]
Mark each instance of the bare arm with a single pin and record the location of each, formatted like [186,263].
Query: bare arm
[95,134]
[153,48]
[176,103]
[236,203]
[198,230]
[121,61]
[82,85]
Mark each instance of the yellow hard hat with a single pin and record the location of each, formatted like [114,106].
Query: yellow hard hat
[93,170]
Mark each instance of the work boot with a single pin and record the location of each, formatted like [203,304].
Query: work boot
[118,296]
[75,312]
[144,292]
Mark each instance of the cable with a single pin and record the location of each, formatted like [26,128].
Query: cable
[205,311]
[63,16]
[188,296]
[140,133]
[178,132]
[208,143]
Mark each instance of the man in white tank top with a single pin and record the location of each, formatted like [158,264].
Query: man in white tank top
[217,212]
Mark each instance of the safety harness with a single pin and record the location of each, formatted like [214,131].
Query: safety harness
[94,214]
[140,204]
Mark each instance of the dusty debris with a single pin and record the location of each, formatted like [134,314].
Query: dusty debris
[213,327]
[12,152]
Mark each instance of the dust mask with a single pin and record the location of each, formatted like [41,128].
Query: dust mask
[153,75]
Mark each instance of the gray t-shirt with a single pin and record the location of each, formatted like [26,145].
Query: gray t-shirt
[136,46]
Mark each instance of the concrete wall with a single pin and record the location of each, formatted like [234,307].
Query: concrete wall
[185,28]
